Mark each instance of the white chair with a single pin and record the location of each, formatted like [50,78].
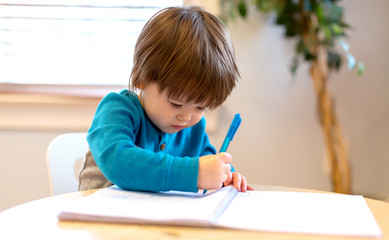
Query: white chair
[64,158]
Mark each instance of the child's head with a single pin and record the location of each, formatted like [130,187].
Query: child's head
[188,53]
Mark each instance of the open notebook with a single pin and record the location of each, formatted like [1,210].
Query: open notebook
[296,212]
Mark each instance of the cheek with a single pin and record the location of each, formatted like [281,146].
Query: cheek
[197,117]
[163,112]
[156,112]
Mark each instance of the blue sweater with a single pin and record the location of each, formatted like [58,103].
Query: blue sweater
[134,154]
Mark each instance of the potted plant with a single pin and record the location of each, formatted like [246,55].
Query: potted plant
[319,29]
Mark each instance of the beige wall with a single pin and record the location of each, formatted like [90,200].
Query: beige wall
[280,141]
[27,125]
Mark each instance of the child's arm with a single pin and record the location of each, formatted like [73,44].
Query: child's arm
[112,142]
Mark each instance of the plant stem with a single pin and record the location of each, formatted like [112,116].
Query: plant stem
[336,151]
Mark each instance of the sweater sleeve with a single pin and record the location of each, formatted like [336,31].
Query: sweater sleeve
[206,147]
[111,139]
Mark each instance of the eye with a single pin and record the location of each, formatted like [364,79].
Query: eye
[175,105]
[202,108]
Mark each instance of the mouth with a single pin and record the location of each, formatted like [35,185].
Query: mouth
[178,127]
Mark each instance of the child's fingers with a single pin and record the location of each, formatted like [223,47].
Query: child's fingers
[237,180]
[225,157]
[243,186]
[226,168]
[228,179]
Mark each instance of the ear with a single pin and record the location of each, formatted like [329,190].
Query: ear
[139,86]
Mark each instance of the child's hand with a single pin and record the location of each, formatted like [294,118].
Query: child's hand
[214,170]
[238,181]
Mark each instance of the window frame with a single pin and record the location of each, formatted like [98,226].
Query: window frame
[70,90]
[91,90]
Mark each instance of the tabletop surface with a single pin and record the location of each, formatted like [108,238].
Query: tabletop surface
[39,219]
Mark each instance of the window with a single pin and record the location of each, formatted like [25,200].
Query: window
[71,42]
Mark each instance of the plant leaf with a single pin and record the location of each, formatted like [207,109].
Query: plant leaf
[351,61]
[361,68]
[242,9]
[336,13]
[344,45]
[294,65]
[320,14]
[300,46]
[307,6]
[333,60]
[336,29]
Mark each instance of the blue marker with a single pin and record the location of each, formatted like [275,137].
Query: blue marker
[230,135]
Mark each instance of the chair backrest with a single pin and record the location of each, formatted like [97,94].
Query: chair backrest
[64,158]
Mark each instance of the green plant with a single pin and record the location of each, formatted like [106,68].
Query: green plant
[314,23]
[320,30]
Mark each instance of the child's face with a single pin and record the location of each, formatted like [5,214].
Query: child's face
[169,115]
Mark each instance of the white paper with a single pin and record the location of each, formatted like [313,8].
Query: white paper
[299,212]
[114,204]
[293,212]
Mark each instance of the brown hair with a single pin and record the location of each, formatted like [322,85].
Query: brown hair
[188,52]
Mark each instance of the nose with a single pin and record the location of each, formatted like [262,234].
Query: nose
[184,116]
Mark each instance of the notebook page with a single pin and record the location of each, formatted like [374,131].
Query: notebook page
[300,212]
[116,205]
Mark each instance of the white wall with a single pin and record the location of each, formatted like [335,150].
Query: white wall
[279,142]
